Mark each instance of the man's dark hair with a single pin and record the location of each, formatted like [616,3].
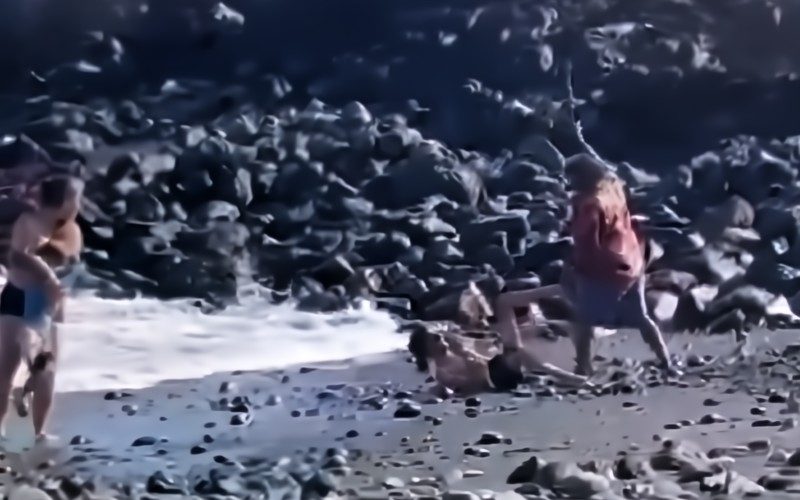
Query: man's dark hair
[418,347]
[53,191]
[503,376]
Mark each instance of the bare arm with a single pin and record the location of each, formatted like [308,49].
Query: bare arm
[25,240]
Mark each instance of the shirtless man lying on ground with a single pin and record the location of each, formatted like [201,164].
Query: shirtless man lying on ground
[32,298]
[483,368]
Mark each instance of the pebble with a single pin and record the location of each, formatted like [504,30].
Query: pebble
[145,441]
[766,423]
[489,438]
[393,483]
[80,441]
[408,409]
[712,418]
[472,402]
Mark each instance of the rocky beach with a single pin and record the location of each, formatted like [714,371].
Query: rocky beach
[277,190]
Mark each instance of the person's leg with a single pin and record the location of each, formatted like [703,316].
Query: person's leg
[583,339]
[12,333]
[43,388]
[636,307]
[42,383]
[508,302]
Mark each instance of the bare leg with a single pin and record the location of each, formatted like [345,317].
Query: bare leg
[43,384]
[509,301]
[583,339]
[532,362]
[12,333]
[43,387]
[648,328]
[653,338]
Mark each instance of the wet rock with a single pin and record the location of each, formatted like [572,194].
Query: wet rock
[241,419]
[319,485]
[794,459]
[460,495]
[570,479]
[80,441]
[712,418]
[112,396]
[775,482]
[393,483]
[145,441]
[489,438]
[408,409]
[160,484]
[526,472]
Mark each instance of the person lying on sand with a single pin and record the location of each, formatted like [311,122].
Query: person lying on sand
[456,367]
[605,280]
[32,297]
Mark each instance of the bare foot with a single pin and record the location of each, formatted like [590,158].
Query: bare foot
[44,438]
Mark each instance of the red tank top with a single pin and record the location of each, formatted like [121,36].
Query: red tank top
[606,245]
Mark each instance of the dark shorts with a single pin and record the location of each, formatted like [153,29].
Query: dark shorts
[30,305]
[600,304]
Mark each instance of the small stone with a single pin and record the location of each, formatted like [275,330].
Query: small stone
[460,495]
[197,450]
[114,395]
[80,441]
[240,419]
[489,438]
[711,402]
[758,411]
[472,402]
[208,439]
[759,445]
[712,418]
[408,409]
[788,424]
[766,423]
[477,452]
[351,434]
[393,483]
[145,441]
[794,459]
[471,412]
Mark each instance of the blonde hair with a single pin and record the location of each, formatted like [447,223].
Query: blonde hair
[610,190]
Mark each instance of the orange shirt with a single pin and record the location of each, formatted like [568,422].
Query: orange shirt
[606,246]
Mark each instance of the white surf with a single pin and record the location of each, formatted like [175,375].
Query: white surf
[113,344]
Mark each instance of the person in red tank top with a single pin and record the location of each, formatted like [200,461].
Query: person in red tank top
[605,278]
